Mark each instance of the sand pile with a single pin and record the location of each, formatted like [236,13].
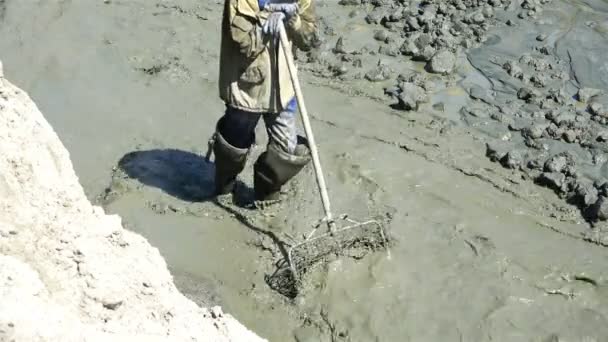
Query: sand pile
[68,272]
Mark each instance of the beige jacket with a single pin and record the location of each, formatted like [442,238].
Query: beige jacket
[248,79]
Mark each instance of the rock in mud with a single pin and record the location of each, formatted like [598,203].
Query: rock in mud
[349,2]
[425,54]
[585,193]
[380,73]
[528,95]
[389,50]
[478,112]
[512,160]
[338,69]
[534,132]
[602,187]
[553,180]
[496,152]
[339,48]
[535,163]
[597,108]
[408,48]
[599,211]
[439,106]
[570,136]
[443,62]
[539,81]
[557,163]
[479,93]
[602,136]
[411,96]
[585,94]
[518,125]
[382,36]
[373,18]
[513,69]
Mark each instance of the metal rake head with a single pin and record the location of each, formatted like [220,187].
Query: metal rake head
[355,239]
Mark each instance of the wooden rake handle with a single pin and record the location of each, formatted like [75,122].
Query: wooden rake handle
[307,127]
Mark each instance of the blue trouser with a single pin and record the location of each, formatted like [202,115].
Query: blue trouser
[239,128]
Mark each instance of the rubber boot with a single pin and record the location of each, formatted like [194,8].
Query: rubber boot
[229,162]
[276,167]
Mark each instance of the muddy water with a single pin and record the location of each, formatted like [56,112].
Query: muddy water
[480,254]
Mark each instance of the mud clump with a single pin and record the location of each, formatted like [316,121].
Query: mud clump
[411,91]
[68,271]
[434,30]
[443,62]
[380,73]
[585,94]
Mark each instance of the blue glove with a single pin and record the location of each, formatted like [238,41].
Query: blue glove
[284,6]
[288,9]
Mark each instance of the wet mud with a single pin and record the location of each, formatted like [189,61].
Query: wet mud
[442,116]
[548,89]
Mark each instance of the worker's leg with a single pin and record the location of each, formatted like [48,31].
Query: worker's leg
[235,133]
[286,154]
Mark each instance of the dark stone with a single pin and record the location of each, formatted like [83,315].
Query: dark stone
[528,95]
[373,18]
[389,50]
[585,94]
[557,163]
[553,180]
[512,160]
[443,62]
[602,136]
[596,108]
[382,36]
[570,136]
[585,193]
[339,48]
[518,125]
[478,93]
[495,152]
[534,132]
[378,74]
[535,164]
[439,106]
[411,97]
[599,211]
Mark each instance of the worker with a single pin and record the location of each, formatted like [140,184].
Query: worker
[254,83]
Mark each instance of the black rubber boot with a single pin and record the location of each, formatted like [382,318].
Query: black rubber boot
[229,162]
[276,167]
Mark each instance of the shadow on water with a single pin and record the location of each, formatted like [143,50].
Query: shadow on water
[190,177]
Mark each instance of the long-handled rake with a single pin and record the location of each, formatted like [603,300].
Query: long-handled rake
[368,235]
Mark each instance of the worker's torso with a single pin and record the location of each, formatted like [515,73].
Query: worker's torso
[260,84]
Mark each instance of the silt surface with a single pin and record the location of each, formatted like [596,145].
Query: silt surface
[480,252]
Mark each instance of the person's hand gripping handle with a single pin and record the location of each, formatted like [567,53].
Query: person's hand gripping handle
[280,12]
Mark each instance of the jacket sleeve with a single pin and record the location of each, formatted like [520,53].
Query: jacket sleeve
[302,28]
[246,32]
